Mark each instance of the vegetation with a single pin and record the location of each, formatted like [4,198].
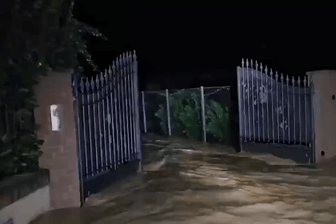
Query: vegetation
[186,117]
[38,36]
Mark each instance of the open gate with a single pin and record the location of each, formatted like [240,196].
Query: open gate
[108,129]
[276,110]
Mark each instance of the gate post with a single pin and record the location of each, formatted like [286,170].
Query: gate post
[168,112]
[55,115]
[203,114]
[240,101]
[324,114]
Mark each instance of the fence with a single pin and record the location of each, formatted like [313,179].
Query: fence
[273,108]
[199,113]
[107,115]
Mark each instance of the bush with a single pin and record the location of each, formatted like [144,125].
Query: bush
[186,117]
[40,36]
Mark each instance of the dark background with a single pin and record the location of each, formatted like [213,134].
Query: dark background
[193,45]
[181,40]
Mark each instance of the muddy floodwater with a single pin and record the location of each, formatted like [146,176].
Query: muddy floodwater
[189,182]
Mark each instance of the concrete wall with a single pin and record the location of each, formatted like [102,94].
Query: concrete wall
[324,112]
[60,146]
[24,197]
[27,208]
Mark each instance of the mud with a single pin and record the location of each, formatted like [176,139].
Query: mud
[189,182]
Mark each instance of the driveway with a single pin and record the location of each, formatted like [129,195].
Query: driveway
[190,182]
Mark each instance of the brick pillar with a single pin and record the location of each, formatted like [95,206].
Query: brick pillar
[60,146]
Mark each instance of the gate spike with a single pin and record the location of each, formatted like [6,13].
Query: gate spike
[247,62]
[271,73]
[266,69]
[92,83]
[117,63]
[127,57]
[276,76]
[287,79]
[134,55]
[251,63]
[242,62]
[282,77]
[82,85]
[102,80]
[87,83]
[261,67]
[293,80]
[113,65]
[256,64]
[107,76]
[97,81]
[299,81]
[304,81]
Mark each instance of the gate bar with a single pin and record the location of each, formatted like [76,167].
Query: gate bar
[144,111]
[203,114]
[168,112]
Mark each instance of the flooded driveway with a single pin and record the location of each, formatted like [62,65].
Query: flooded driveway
[188,182]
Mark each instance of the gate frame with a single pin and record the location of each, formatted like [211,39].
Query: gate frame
[308,85]
[125,88]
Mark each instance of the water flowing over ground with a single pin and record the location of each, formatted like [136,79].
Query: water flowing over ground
[189,182]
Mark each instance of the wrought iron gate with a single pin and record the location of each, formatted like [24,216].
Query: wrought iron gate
[108,129]
[274,108]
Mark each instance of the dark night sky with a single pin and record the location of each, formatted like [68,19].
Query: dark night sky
[196,39]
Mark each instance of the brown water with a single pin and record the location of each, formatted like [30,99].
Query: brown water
[188,182]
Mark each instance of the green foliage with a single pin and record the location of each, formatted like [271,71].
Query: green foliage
[217,121]
[162,115]
[40,35]
[186,113]
[186,118]
[19,153]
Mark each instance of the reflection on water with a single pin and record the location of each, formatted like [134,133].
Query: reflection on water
[187,182]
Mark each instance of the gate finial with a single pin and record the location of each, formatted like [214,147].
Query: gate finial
[97,81]
[121,62]
[117,64]
[87,83]
[82,85]
[92,84]
[127,57]
[102,81]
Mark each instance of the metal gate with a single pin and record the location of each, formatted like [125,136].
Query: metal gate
[274,109]
[108,131]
